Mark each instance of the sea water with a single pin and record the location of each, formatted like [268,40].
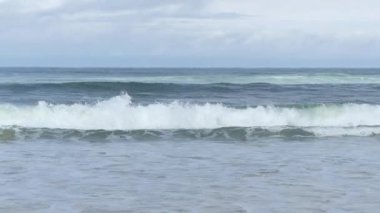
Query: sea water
[189,140]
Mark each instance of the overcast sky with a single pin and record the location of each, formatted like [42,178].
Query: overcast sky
[190,33]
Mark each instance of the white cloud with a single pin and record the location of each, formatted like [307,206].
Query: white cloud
[28,7]
[249,29]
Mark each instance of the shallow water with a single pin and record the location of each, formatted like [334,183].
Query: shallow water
[266,175]
[189,140]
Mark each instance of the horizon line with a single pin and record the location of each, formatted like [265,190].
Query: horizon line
[188,67]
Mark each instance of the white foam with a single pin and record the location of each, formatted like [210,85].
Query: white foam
[120,113]
[344,131]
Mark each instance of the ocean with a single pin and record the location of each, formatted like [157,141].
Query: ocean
[189,140]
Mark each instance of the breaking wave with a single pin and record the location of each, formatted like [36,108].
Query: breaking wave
[119,113]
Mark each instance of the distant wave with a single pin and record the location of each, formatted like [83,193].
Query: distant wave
[165,88]
[153,87]
[271,78]
[119,86]
[119,113]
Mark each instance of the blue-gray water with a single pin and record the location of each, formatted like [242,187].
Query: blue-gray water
[189,140]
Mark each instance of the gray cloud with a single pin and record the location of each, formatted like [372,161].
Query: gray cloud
[175,32]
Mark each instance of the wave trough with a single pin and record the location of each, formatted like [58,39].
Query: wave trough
[220,134]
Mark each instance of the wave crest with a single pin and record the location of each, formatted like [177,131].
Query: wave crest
[119,113]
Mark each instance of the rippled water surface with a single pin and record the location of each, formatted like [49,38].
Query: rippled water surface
[189,140]
[266,175]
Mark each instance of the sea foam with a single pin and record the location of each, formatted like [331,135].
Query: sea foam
[119,113]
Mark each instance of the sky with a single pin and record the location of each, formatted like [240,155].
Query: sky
[190,33]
